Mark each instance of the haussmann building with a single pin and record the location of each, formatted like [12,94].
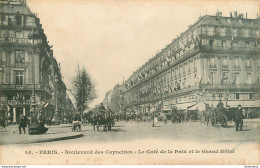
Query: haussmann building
[27,65]
[217,58]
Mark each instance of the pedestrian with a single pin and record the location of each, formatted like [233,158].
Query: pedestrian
[156,122]
[239,118]
[102,109]
[22,123]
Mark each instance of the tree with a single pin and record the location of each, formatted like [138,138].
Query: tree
[83,89]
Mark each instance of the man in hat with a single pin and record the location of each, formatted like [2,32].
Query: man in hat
[22,123]
[102,109]
[239,118]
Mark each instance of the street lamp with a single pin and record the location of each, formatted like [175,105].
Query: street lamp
[56,80]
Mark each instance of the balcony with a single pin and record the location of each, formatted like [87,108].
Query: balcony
[237,67]
[14,86]
[212,66]
[225,66]
[20,65]
[184,73]
[19,102]
[248,67]
[229,34]
[229,49]
[189,71]
[20,40]
[195,69]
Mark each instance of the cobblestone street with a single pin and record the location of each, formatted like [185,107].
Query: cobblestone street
[129,131]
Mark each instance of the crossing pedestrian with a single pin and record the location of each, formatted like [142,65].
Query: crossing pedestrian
[239,118]
[22,123]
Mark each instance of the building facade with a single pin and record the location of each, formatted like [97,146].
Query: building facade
[116,100]
[27,64]
[217,58]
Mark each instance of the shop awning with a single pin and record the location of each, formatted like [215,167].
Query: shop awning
[253,103]
[200,106]
[184,106]
[166,108]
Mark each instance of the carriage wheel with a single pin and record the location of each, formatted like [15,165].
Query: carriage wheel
[224,121]
[173,120]
[202,120]
[192,118]
[213,121]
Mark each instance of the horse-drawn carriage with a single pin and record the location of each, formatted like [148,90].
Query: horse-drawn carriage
[172,115]
[219,116]
[216,115]
[104,119]
[76,123]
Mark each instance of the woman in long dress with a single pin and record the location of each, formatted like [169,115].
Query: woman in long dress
[156,122]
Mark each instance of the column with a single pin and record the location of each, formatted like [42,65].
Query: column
[14,114]
[24,111]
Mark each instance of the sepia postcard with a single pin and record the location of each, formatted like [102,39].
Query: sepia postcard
[129,82]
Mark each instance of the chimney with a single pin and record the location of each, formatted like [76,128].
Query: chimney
[231,14]
[246,15]
[257,15]
[235,14]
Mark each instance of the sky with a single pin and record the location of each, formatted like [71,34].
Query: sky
[112,38]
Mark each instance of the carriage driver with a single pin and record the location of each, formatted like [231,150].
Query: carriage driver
[220,108]
[102,109]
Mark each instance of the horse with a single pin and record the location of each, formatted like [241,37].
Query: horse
[100,120]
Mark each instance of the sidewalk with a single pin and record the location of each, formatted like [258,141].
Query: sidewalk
[10,135]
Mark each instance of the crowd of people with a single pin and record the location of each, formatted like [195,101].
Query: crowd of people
[106,118]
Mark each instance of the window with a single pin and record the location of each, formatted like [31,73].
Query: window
[2,56]
[19,57]
[224,62]
[237,96]
[18,20]
[234,32]
[248,64]
[212,62]
[248,78]
[258,64]
[251,96]
[223,45]
[19,77]
[258,79]
[211,78]
[236,63]
[210,31]
[224,79]
[211,43]
[204,30]
[246,32]
[236,78]
[222,31]
[1,75]
[19,34]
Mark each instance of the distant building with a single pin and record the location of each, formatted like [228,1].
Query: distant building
[27,62]
[217,58]
[107,99]
[116,101]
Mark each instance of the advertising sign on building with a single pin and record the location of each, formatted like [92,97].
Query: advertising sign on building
[11,2]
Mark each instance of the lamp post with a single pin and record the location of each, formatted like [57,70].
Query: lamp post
[226,95]
[33,115]
[56,80]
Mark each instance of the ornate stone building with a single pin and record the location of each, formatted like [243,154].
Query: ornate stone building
[27,63]
[217,58]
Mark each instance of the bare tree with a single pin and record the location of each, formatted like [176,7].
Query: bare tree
[83,89]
